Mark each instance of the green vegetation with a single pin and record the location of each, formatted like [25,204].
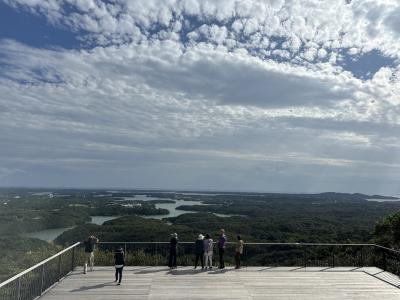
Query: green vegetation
[18,220]
[22,211]
[18,254]
[37,212]
[297,218]
[387,231]
[324,218]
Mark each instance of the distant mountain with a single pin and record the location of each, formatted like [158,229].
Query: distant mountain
[354,196]
[382,197]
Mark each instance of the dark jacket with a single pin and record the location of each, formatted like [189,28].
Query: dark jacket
[119,257]
[199,246]
[173,244]
[222,241]
[89,245]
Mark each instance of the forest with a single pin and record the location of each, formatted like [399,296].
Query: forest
[278,218]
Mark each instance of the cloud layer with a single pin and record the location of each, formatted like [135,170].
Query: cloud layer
[248,95]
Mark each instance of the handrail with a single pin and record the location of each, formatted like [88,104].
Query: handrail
[271,244]
[389,249]
[187,243]
[255,243]
[38,264]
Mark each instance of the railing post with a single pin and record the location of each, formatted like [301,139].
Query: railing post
[42,281]
[73,259]
[384,267]
[374,256]
[19,288]
[59,268]
[156,254]
[305,257]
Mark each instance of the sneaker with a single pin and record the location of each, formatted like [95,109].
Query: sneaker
[119,283]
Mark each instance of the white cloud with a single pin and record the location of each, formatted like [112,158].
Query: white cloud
[361,25]
[218,103]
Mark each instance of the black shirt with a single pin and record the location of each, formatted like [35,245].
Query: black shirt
[173,244]
[89,245]
[119,257]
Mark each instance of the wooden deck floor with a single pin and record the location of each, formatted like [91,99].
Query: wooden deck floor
[246,283]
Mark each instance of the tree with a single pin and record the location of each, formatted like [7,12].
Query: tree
[387,231]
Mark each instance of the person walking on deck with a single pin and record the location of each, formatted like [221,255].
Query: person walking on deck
[221,248]
[173,249]
[238,251]
[208,251]
[89,245]
[199,251]
[119,258]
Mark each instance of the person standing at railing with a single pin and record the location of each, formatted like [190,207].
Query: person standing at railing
[208,251]
[173,249]
[119,257]
[221,248]
[89,252]
[199,251]
[238,251]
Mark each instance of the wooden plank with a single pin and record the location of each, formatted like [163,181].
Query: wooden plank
[247,283]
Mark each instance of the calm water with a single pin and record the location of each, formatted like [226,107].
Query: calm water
[173,212]
[384,200]
[47,235]
[50,234]
[99,220]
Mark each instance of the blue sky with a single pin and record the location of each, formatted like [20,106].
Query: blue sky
[274,95]
[34,30]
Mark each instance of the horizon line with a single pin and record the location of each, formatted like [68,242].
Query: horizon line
[170,190]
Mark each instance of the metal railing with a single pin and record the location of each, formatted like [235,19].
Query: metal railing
[261,254]
[33,282]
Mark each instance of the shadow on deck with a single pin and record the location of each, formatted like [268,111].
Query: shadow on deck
[246,283]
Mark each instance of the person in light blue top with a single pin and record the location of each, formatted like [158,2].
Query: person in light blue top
[208,251]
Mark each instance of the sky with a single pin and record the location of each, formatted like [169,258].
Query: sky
[264,96]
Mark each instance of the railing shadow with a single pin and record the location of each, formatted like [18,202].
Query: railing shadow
[92,287]
[152,271]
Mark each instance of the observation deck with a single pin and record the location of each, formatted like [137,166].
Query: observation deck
[247,283]
[270,271]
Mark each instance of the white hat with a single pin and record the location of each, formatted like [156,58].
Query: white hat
[175,235]
[200,237]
